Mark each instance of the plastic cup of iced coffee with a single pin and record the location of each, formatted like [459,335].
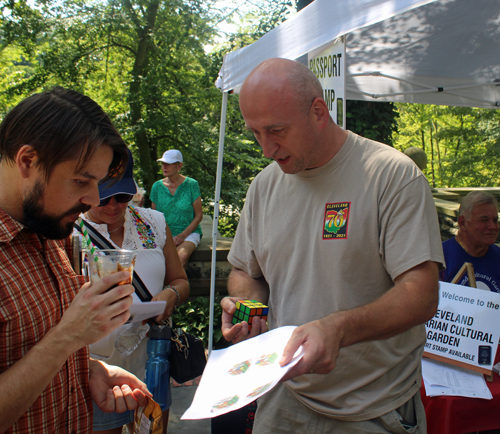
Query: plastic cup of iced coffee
[108,261]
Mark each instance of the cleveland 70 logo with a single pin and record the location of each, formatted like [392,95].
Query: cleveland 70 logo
[336,220]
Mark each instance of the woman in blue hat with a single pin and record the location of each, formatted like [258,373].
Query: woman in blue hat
[158,266]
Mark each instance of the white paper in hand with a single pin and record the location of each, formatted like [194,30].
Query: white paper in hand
[142,311]
[238,375]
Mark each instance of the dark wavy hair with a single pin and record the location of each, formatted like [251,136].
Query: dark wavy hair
[61,125]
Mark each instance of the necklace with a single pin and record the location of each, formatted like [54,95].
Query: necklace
[114,230]
[172,187]
[109,232]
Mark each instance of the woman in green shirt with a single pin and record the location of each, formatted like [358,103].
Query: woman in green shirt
[178,198]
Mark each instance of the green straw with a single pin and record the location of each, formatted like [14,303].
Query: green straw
[86,242]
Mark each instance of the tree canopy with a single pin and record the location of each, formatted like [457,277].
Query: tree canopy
[147,62]
[462,143]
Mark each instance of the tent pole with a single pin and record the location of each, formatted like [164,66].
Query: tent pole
[216,218]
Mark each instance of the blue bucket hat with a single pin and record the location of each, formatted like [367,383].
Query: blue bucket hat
[125,185]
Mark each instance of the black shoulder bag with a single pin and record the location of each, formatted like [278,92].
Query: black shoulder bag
[187,356]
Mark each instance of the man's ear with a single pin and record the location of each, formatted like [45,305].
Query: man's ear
[461,223]
[321,112]
[26,160]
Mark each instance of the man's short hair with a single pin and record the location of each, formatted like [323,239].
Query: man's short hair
[474,199]
[60,125]
[306,85]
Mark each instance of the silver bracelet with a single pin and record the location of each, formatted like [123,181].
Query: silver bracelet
[174,290]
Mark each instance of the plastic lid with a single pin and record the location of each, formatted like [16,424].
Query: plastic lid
[157,331]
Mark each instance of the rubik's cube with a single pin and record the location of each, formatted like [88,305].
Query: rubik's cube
[247,309]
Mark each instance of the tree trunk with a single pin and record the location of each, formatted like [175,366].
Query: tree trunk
[438,148]
[135,99]
[458,140]
[432,156]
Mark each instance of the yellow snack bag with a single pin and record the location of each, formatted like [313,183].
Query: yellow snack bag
[148,419]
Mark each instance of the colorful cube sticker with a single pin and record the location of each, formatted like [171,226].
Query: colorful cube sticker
[246,310]
[267,359]
[259,390]
[225,403]
[239,368]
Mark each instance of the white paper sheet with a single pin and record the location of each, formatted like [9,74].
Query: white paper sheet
[238,375]
[444,379]
[142,311]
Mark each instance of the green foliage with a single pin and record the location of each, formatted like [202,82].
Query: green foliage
[145,63]
[462,143]
[194,317]
[373,120]
[13,67]
[259,21]
[243,158]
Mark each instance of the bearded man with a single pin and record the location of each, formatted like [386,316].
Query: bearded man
[55,148]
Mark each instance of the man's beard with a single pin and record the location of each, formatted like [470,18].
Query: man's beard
[38,222]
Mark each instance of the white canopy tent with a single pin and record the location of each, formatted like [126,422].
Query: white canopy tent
[447,52]
[433,52]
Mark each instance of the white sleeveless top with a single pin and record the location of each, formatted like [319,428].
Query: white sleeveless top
[148,238]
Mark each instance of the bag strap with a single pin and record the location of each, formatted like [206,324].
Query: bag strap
[181,347]
[102,243]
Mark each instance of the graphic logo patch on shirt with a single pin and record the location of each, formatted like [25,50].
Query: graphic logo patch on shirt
[336,220]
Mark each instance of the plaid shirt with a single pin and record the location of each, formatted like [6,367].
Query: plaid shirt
[37,284]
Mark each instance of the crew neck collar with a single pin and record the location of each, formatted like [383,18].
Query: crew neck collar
[334,162]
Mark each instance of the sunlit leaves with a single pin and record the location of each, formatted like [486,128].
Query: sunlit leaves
[145,62]
[462,143]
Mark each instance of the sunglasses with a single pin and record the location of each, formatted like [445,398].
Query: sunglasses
[120,198]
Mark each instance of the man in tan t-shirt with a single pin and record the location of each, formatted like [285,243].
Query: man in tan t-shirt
[340,237]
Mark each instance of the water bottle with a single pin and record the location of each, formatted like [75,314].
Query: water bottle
[157,366]
[130,338]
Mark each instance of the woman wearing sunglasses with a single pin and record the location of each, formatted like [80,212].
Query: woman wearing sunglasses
[157,264]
